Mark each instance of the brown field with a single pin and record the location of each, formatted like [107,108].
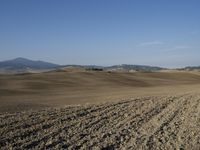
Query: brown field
[100,110]
[33,91]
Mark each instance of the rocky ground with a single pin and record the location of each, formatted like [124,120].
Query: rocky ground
[160,122]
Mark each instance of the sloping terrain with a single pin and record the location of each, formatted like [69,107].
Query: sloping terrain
[153,122]
[33,91]
[23,65]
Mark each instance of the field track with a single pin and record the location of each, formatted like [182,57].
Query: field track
[160,122]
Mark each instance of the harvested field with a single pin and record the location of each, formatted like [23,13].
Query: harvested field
[153,122]
[35,91]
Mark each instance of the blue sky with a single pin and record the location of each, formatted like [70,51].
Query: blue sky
[102,32]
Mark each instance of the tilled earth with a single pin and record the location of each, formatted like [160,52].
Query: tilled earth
[160,122]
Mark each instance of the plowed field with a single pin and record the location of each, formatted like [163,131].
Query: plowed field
[154,122]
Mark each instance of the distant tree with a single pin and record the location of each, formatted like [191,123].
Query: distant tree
[94,69]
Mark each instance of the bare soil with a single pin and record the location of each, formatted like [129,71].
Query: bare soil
[100,110]
[154,122]
[36,91]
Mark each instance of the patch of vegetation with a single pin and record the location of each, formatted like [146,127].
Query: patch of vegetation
[94,69]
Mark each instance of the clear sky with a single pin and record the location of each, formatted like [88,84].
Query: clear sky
[102,32]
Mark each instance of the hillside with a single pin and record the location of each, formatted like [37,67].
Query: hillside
[19,65]
[126,67]
[54,88]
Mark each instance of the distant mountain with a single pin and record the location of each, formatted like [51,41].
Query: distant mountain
[23,65]
[190,68]
[125,67]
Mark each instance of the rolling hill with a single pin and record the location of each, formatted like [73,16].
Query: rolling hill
[20,65]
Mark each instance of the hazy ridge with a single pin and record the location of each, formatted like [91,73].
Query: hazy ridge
[23,65]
